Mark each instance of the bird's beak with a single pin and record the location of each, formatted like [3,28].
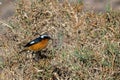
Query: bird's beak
[51,38]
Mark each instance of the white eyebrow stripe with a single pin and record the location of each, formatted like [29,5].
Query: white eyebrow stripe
[42,36]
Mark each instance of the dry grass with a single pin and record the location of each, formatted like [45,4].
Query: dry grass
[86,45]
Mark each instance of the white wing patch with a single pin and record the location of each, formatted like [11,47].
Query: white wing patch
[32,42]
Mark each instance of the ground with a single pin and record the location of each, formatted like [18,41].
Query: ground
[85,46]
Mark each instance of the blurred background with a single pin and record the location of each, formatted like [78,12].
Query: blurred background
[7,7]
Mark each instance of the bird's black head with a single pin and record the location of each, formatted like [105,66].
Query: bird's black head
[45,37]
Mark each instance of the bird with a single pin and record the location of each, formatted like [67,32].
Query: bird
[39,43]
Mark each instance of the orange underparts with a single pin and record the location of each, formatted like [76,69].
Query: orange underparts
[39,46]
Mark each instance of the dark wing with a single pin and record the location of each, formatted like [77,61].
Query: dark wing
[33,42]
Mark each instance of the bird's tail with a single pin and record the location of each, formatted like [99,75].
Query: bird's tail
[22,51]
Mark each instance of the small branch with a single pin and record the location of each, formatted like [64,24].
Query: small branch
[4,24]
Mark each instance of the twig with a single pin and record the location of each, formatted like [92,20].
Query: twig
[5,24]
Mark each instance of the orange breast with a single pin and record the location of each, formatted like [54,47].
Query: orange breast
[39,46]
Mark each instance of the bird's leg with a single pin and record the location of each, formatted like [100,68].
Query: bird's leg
[33,53]
[37,55]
